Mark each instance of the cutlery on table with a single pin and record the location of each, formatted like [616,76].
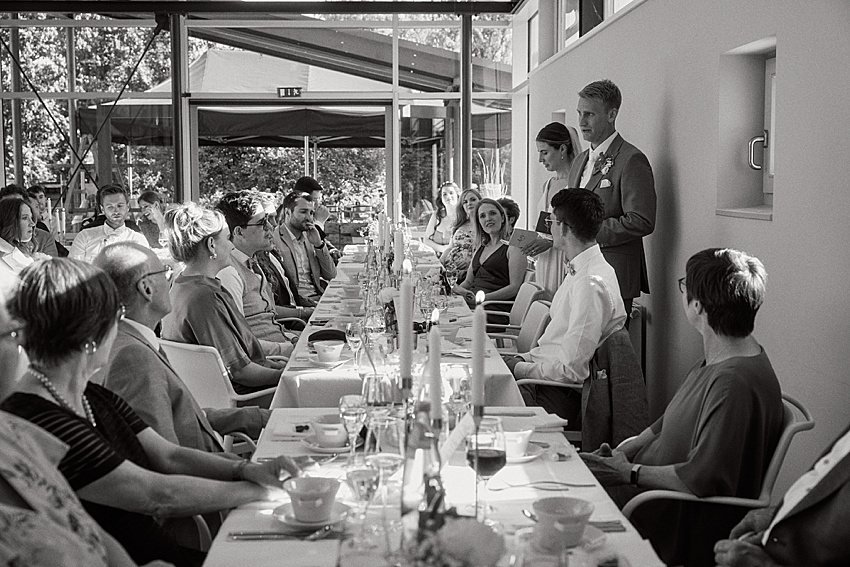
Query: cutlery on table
[554,485]
[602,525]
[321,533]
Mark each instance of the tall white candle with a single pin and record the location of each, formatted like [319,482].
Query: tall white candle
[398,251]
[405,323]
[436,382]
[479,338]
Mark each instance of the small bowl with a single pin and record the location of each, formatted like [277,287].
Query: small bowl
[328,351]
[312,497]
[516,443]
[560,522]
[329,431]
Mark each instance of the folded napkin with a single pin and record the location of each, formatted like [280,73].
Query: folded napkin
[323,553]
[451,349]
[546,422]
[288,431]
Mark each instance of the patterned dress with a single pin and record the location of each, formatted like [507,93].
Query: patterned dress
[462,247]
[55,531]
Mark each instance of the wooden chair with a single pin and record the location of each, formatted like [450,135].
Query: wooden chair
[526,339]
[792,426]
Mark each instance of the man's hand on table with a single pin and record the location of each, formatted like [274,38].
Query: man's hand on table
[738,553]
[611,470]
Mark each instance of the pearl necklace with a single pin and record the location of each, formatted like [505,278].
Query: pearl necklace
[48,385]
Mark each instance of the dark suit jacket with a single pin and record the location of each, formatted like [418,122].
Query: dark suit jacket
[321,263]
[139,374]
[815,532]
[629,212]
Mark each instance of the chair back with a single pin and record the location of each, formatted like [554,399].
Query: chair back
[528,293]
[535,323]
[614,408]
[203,371]
[791,426]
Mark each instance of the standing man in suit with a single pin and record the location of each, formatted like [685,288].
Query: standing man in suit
[620,174]
[306,258]
[808,528]
[138,370]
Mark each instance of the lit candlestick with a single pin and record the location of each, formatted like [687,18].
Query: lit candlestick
[405,326]
[479,338]
[436,384]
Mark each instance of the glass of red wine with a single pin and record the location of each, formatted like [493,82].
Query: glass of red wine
[485,453]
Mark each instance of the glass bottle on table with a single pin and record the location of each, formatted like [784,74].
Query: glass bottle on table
[422,487]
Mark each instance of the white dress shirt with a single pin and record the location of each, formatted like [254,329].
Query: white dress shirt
[585,311]
[808,481]
[592,156]
[90,241]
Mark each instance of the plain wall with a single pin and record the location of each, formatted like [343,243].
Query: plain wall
[665,57]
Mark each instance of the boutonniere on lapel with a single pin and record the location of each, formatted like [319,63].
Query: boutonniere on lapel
[603,164]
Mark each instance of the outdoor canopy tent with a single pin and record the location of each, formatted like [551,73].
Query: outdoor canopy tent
[148,121]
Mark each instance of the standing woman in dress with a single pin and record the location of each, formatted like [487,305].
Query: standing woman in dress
[459,252]
[496,268]
[438,233]
[557,147]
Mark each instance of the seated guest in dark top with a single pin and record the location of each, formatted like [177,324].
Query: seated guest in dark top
[203,312]
[719,431]
[123,471]
[496,268]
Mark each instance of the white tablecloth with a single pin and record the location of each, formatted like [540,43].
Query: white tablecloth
[630,548]
[304,385]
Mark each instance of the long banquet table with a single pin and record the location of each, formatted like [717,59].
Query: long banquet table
[303,384]
[279,438]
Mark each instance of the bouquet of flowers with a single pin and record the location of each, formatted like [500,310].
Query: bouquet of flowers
[461,542]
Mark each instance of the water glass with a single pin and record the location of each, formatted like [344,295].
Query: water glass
[352,410]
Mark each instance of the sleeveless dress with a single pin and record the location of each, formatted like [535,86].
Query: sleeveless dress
[492,274]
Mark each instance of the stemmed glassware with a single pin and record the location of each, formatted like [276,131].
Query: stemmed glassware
[352,410]
[363,478]
[458,401]
[354,338]
[485,453]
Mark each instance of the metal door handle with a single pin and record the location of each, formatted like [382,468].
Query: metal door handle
[763,139]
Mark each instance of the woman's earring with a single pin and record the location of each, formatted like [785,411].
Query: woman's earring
[90,347]
[213,256]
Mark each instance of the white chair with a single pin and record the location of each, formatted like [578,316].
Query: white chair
[793,425]
[203,371]
[528,293]
[535,324]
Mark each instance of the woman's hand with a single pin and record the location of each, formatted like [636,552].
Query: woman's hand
[537,246]
[609,471]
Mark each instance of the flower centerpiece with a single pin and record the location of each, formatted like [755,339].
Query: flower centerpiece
[460,542]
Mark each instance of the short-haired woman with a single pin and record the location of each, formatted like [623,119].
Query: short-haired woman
[203,312]
[496,268]
[125,473]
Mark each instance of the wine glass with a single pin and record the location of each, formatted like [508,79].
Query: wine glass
[485,453]
[352,410]
[458,402]
[451,275]
[363,478]
[354,338]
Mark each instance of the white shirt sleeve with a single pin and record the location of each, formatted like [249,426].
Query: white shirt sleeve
[234,285]
[580,327]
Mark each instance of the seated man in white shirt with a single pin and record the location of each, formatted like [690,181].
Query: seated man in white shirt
[586,309]
[306,259]
[115,206]
[250,232]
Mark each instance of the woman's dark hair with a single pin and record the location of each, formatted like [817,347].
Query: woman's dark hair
[441,211]
[511,207]
[730,286]
[65,304]
[481,237]
[461,216]
[10,218]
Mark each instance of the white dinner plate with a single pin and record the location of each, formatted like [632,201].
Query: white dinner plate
[286,516]
[314,359]
[531,452]
[592,539]
[311,443]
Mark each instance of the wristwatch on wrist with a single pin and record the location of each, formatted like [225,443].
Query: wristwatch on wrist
[320,246]
[635,475]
